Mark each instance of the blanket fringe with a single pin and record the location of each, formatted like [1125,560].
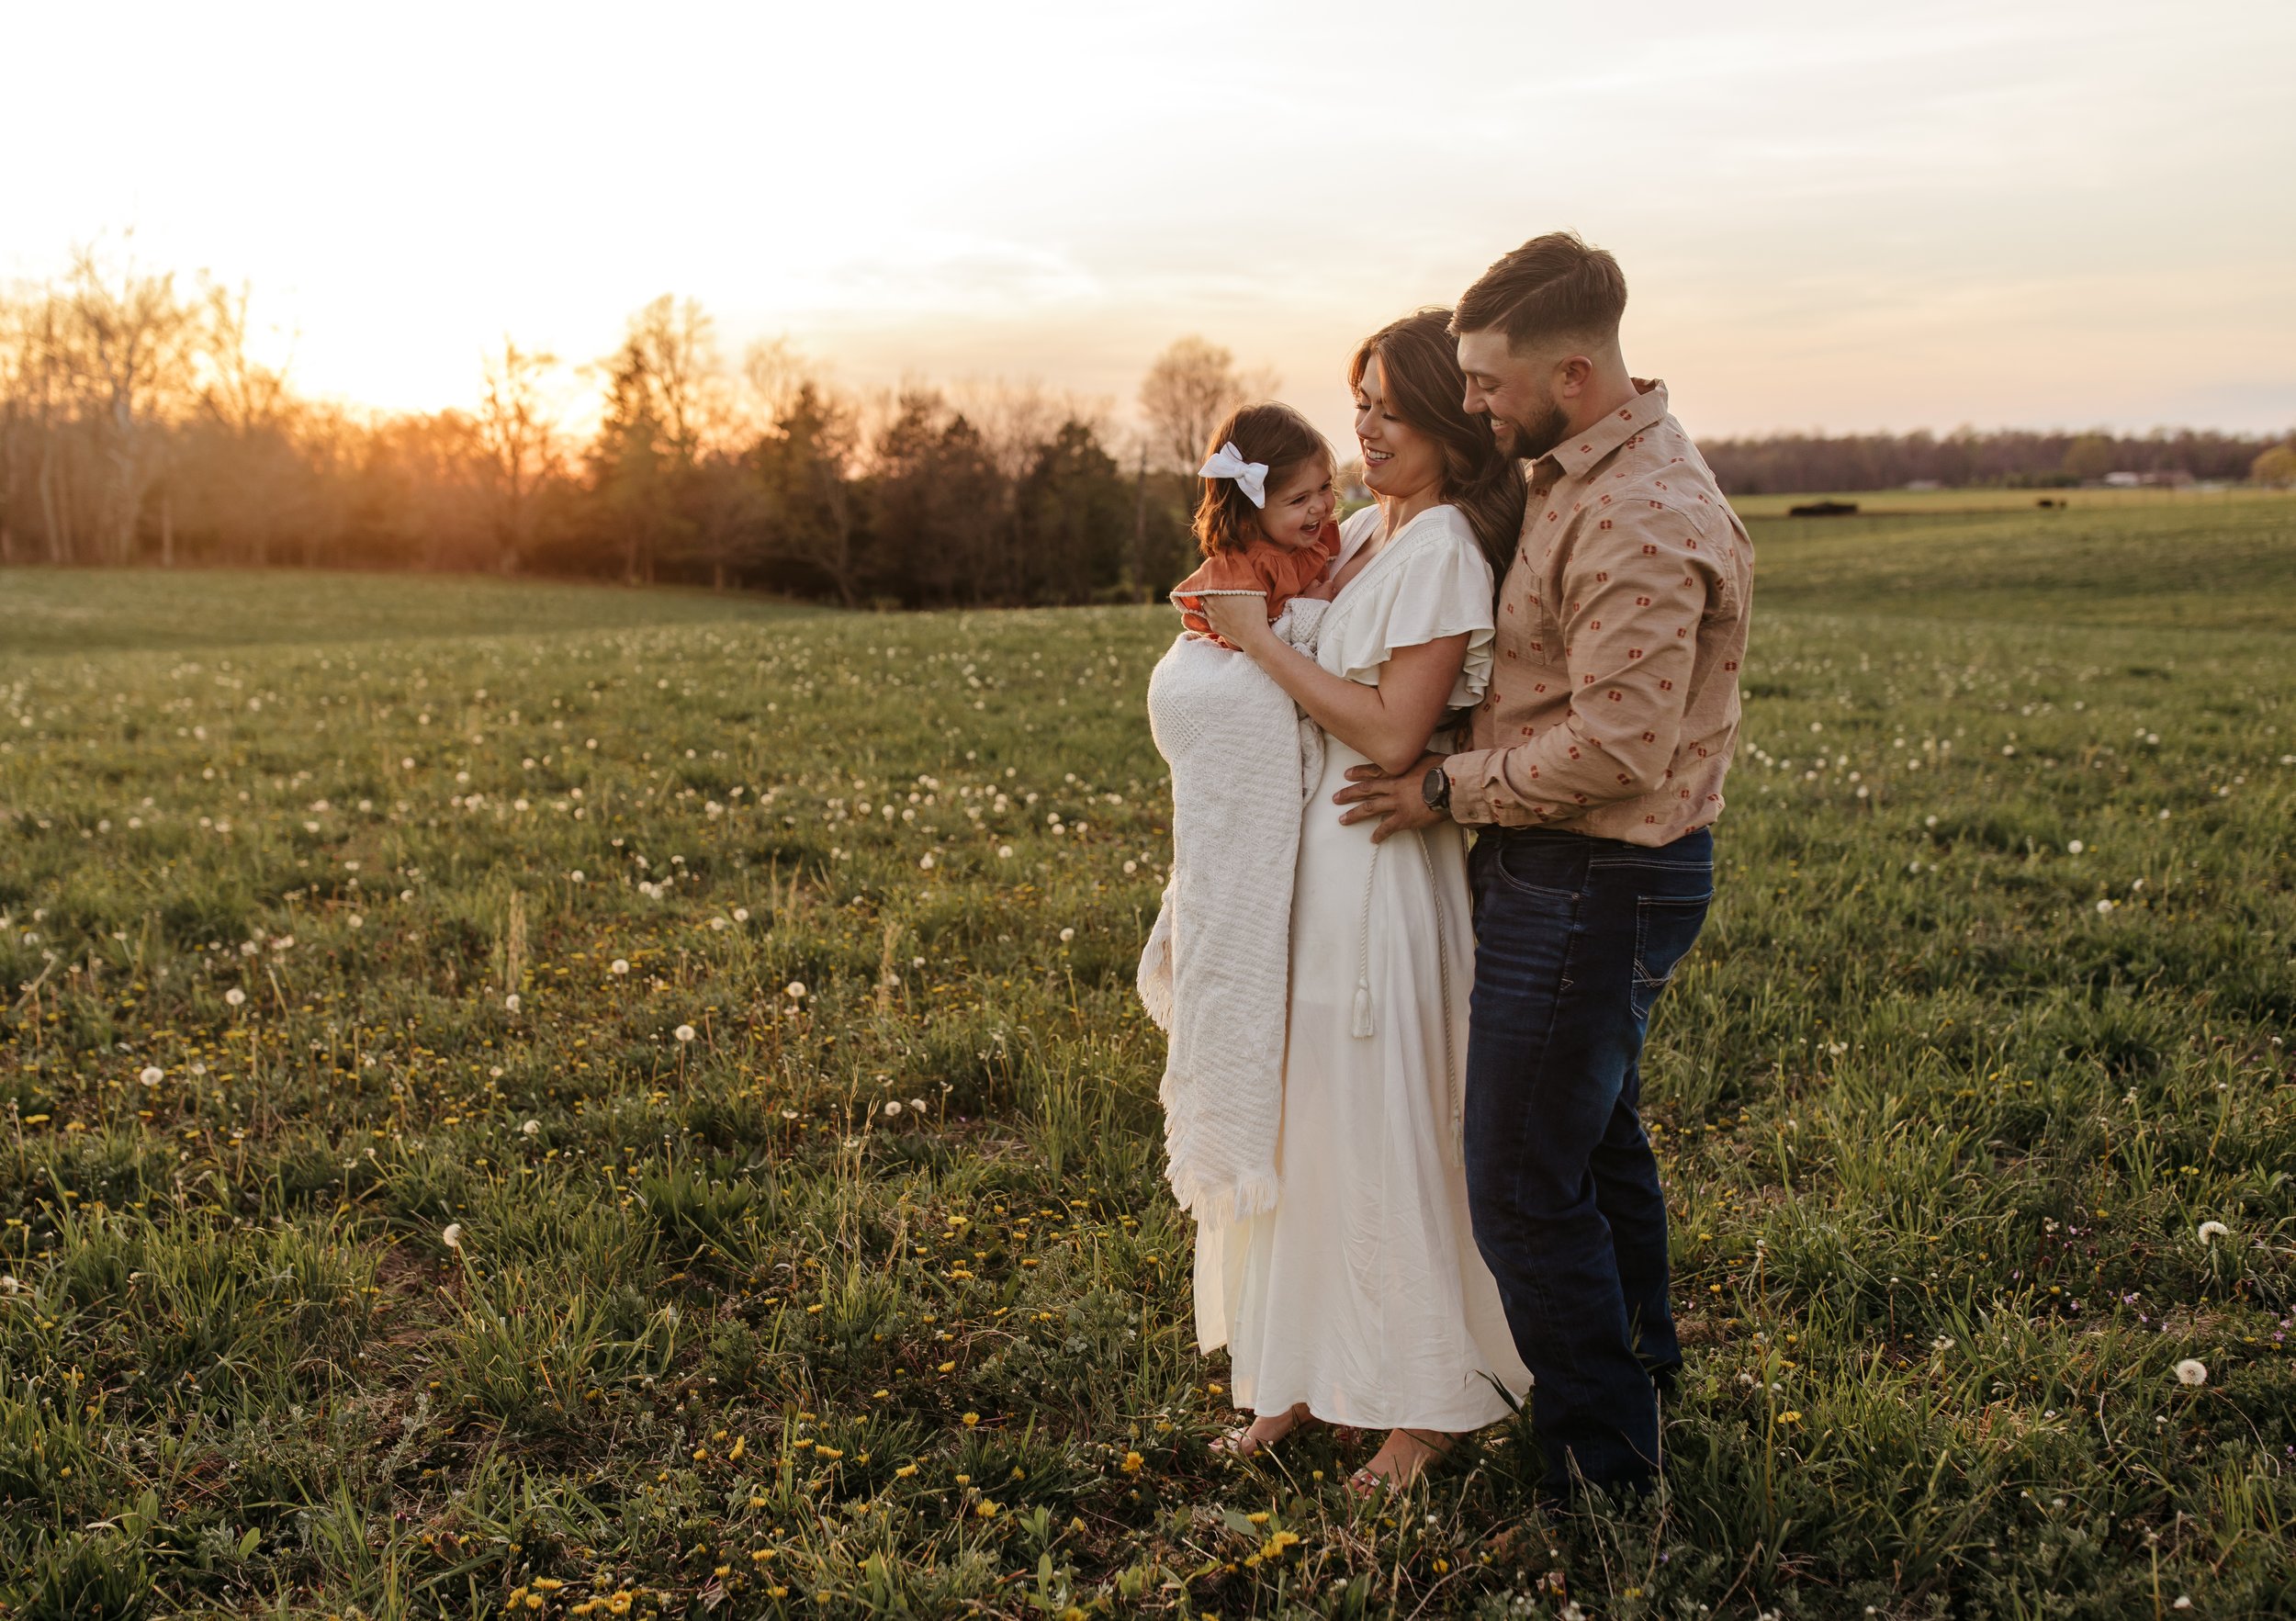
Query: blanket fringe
[1223,1206]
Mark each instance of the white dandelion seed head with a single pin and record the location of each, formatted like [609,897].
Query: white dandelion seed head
[2074,847]
[684,1033]
[451,1235]
[511,1002]
[619,965]
[149,1075]
[575,876]
[2192,1371]
[1068,935]
[531,1129]
[892,1106]
[1004,852]
[236,996]
[795,990]
[741,914]
[2210,1232]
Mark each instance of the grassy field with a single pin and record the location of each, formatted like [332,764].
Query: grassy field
[539,1100]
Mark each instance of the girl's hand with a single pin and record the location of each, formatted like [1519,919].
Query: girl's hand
[1239,621]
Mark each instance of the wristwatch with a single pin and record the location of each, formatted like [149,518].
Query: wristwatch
[1435,787]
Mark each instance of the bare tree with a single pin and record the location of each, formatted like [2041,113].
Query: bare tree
[518,433]
[672,349]
[134,339]
[1189,389]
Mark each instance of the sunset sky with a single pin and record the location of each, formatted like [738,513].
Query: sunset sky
[1846,217]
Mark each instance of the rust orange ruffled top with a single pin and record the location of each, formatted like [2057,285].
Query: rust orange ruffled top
[1283,572]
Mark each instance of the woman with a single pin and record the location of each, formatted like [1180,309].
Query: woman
[1360,1299]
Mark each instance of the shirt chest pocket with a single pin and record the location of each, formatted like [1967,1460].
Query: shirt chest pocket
[1530,630]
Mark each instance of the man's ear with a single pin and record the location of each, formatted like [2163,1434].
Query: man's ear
[1572,377]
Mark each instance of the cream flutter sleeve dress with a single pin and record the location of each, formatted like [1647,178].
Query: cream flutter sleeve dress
[1361,1293]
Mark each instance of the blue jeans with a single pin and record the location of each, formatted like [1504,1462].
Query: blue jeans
[1575,937]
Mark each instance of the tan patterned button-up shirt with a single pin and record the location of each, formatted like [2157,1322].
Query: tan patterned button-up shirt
[1612,707]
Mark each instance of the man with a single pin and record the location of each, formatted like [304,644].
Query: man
[1595,777]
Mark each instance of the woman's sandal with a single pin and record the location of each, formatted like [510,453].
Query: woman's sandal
[1438,1444]
[1242,1442]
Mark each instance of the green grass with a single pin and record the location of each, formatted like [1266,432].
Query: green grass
[68,611]
[1942,1103]
[2141,563]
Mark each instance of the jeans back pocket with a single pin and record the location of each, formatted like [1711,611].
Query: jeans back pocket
[1666,927]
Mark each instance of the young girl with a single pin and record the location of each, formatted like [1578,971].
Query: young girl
[1264,520]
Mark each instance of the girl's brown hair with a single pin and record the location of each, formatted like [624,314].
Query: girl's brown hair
[1420,375]
[1225,518]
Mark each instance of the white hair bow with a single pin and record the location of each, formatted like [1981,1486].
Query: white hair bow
[1250,477]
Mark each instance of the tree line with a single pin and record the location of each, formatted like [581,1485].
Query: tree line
[2009,458]
[138,426]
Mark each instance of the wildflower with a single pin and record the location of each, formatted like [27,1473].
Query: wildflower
[1943,1341]
[511,1002]
[1004,852]
[532,1128]
[741,914]
[2192,1371]
[918,1104]
[926,861]
[2210,1231]
[684,1033]
[892,1106]
[2075,847]
[1133,1460]
[971,1419]
[1068,935]
[149,1075]
[236,996]
[2105,906]
[619,965]
[575,877]
[451,1236]
[357,921]
[795,990]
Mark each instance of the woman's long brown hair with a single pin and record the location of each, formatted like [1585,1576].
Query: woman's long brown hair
[1420,375]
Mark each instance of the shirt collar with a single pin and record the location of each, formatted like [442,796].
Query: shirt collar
[1575,455]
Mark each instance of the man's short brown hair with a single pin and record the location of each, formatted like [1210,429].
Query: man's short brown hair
[1553,286]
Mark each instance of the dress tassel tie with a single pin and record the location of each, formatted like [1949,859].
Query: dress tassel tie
[1364,1025]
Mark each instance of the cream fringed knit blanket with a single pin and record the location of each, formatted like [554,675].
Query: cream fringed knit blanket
[1216,975]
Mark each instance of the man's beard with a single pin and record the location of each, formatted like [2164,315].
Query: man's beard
[1534,439]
